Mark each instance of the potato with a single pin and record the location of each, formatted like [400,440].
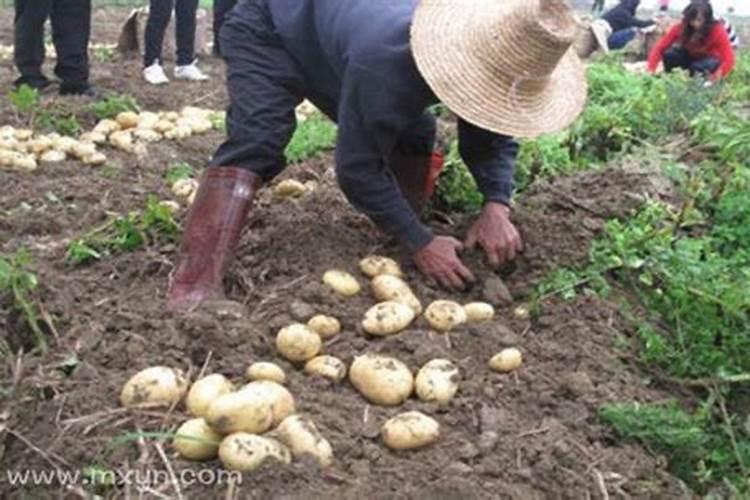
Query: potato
[147,135]
[147,120]
[375,265]
[195,440]
[163,126]
[506,360]
[23,134]
[106,127]
[381,379]
[302,437]
[93,137]
[158,385]
[83,149]
[195,124]
[52,156]
[264,370]
[98,158]
[305,110]
[205,391]
[127,119]
[521,312]
[410,430]
[64,144]
[327,367]
[387,318]
[437,381]
[289,188]
[171,116]
[280,399]
[325,326]
[24,162]
[170,205]
[183,188]
[178,132]
[476,312]
[39,145]
[297,342]
[195,112]
[122,140]
[387,287]
[444,315]
[240,411]
[246,452]
[341,282]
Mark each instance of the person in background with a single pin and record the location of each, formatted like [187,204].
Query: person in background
[71,28]
[598,6]
[622,25]
[663,5]
[699,44]
[160,12]
[221,8]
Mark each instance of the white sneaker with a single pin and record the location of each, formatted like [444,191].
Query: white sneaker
[189,72]
[155,75]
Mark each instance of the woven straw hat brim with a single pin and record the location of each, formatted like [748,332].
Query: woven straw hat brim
[486,92]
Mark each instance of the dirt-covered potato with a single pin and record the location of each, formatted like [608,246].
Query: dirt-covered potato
[64,144]
[122,140]
[476,312]
[387,318]
[178,132]
[240,411]
[289,188]
[386,287]
[147,135]
[93,137]
[341,282]
[506,360]
[163,126]
[410,430]
[375,265]
[147,120]
[40,144]
[83,149]
[96,158]
[325,326]
[195,440]
[183,188]
[444,315]
[301,435]
[437,381]
[246,452]
[23,134]
[381,379]
[158,385]
[196,124]
[280,399]
[127,119]
[24,162]
[297,342]
[53,156]
[205,391]
[521,312]
[264,370]
[106,127]
[328,367]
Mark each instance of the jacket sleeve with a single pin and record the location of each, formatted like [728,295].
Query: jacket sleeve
[654,58]
[642,23]
[726,53]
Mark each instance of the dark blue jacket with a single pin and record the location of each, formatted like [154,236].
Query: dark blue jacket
[623,16]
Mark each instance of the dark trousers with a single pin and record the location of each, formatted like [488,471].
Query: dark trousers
[160,12]
[71,27]
[621,38]
[678,57]
[221,8]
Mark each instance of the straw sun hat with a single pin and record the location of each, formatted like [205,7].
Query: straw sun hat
[503,65]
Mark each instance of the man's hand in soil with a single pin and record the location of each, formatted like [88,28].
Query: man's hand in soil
[496,234]
[439,260]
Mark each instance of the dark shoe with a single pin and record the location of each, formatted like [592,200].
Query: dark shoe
[85,90]
[35,82]
[212,230]
[417,176]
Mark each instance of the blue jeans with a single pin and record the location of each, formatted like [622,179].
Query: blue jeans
[621,38]
[678,57]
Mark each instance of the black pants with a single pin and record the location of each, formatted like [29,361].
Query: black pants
[221,8]
[160,12]
[71,27]
[678,57]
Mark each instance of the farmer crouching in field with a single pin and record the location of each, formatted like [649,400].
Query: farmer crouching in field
[619,26]
[374,66]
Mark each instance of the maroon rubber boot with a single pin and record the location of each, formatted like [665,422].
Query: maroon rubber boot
[212,230]
[417,177]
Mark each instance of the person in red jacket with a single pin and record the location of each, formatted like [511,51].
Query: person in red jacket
[698,44]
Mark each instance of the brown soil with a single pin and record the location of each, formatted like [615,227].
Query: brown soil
[533,434]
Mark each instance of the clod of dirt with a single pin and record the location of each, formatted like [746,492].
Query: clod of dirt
[577,384]
[489,424]
[301,311]
[496,292]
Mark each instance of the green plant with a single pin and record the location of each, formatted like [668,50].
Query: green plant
[313,135]
[24,99]
[456,189]
[59,121]
[178,171]
[20,283]
[112,105]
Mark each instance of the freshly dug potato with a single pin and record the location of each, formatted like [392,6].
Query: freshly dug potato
[171,116]
[506,360]
[246,452]
[53,156]
[325,326]
[23,134]
[158,385]
[521,312]
[107,126]
[196,124]
[147,120]
[444,315]
[341,282]
[183,188]
[387,287]
[437,381]
[263,370]
[122,140]
[98,158]
[297,342]
[387,318]
[170,205]
[328,367]
[476,312]
[163,126]
[178,132]
[280,399]
[240,411]
[64,144]
[83,149]
[127,119]
[381,379]
[205,391]
[93,137]
[40,145]
[410,430]
[24,162]
[195,440]
[289,188]
[375,265]
[302,437]
[147,135]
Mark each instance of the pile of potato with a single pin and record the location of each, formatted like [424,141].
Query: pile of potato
[21,149]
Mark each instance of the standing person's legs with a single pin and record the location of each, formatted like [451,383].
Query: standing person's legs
[221,8]
[160,11]
[620,39]
[705,66]
[71,28]
[28,36]
[676,57]
[185,12]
